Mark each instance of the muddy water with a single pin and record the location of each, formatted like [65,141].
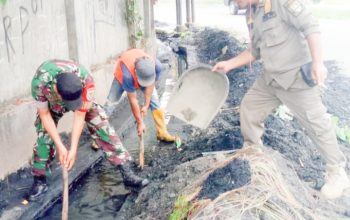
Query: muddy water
[101,192]
[92,197]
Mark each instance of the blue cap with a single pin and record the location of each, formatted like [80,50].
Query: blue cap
[145,72]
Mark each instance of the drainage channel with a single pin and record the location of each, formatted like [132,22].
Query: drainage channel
[100,193]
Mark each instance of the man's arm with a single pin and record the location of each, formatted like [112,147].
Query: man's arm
[50,128]
[298,15]
[147,99]
[88,95]
[240,60]
[319,71]
[135,108]
[78,125]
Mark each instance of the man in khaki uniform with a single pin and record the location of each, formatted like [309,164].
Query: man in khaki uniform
[285,36]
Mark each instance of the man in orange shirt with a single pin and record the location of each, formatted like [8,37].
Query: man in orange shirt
[135,70]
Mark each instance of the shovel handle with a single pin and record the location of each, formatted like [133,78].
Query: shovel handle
[142,149]
[65,193]
[142,152]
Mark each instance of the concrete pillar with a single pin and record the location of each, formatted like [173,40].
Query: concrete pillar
[147,5]
[179,25]
[152,17]
[71,30]
[193,11]
[188,14]
[149,41]
[153,37]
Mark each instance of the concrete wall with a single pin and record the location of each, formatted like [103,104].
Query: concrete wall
[101,30]
[32,31]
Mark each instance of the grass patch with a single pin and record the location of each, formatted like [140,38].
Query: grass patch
[328,13]
[220,2]
[335,2]
[343,133]
[182,206]
[335,9]
[3,2]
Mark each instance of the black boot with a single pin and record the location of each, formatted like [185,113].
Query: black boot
[39,188]
[130,178]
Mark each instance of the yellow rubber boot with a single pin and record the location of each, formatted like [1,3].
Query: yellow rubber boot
[162,132]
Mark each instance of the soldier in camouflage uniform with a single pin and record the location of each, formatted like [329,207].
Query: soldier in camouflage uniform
[60,86]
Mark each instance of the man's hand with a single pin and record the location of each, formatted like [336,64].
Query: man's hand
[62,155]
[222,67]
[78,125]
[70,161]
[319,73]
[141,128]
[240,60]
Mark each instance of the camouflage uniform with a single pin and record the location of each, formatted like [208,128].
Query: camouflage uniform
[44,92]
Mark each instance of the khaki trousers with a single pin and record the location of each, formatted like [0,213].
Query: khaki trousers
[304,102]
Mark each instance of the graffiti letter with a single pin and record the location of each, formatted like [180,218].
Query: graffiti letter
[23,29]
[6,22]
[34,6]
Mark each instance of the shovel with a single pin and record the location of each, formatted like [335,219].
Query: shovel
[142,149]
[65,193]
[198,96]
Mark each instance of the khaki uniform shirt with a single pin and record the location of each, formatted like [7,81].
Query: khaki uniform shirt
[278,31]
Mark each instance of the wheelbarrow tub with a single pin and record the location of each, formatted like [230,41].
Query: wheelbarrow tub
[198,96]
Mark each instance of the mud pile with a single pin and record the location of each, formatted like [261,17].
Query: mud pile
[170,171]
[234,175]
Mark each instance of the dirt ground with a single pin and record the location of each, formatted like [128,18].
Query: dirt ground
[171,172]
